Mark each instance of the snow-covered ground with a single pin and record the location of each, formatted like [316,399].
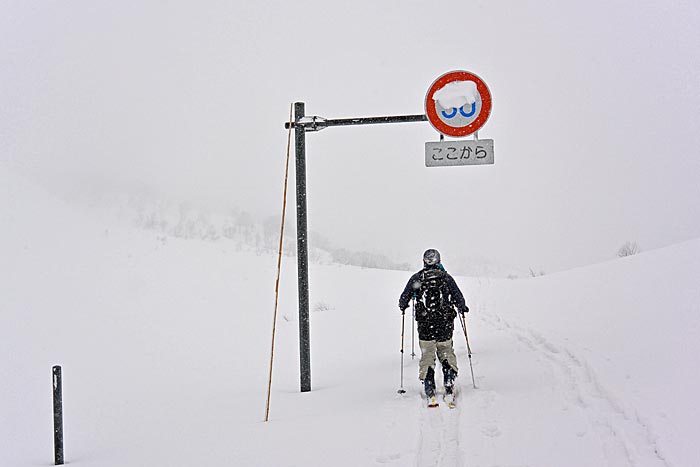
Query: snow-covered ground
[165,349]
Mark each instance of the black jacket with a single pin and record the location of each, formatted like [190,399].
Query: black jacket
[434,324]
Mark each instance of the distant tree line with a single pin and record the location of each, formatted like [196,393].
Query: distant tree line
[247,232]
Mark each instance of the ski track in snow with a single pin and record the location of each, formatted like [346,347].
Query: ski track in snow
[438,440]
[435,430]
[625,439]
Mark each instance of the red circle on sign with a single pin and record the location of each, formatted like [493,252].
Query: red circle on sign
[432,113]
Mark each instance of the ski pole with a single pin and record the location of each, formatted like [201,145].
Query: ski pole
[403,320]
[413,329]
[469,350]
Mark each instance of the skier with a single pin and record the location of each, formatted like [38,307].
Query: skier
[436,295]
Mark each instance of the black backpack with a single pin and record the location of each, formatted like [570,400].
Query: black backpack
[434,293]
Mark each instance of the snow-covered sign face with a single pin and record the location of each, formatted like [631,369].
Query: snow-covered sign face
[458,103]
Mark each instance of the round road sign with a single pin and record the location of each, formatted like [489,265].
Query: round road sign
[458,103]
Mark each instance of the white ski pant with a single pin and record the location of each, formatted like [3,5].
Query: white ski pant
[428,349]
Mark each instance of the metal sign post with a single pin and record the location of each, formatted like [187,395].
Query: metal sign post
[470,113]
[302,249]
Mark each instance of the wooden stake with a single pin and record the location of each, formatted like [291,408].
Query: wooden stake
[279,266]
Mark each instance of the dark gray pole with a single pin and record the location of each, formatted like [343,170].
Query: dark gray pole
[57,415]
[302,250]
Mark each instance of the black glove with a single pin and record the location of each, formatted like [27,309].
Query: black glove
[403,308]
[464,310]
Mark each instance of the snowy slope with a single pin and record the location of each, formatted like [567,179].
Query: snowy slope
[165,351]
[626,334]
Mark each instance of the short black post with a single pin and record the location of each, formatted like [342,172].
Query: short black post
[57,415]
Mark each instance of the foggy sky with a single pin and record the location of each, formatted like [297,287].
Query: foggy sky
[595,115]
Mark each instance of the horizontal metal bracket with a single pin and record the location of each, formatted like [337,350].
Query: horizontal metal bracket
[319,123]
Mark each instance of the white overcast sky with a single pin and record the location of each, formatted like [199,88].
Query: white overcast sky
[596,115]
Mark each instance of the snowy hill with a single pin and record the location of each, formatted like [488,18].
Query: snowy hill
[238,226]
[165,351]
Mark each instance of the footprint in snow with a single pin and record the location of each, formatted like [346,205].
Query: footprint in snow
[491,431]
[389,458]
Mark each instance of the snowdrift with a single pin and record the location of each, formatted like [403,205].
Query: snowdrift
[165,344]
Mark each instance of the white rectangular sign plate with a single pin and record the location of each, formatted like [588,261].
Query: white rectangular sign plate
[465,152]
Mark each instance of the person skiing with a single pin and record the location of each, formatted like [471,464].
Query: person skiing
[436,296]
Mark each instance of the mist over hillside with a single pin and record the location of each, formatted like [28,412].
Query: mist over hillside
[242,229]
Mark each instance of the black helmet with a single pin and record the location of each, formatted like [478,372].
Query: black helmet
[431,257]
